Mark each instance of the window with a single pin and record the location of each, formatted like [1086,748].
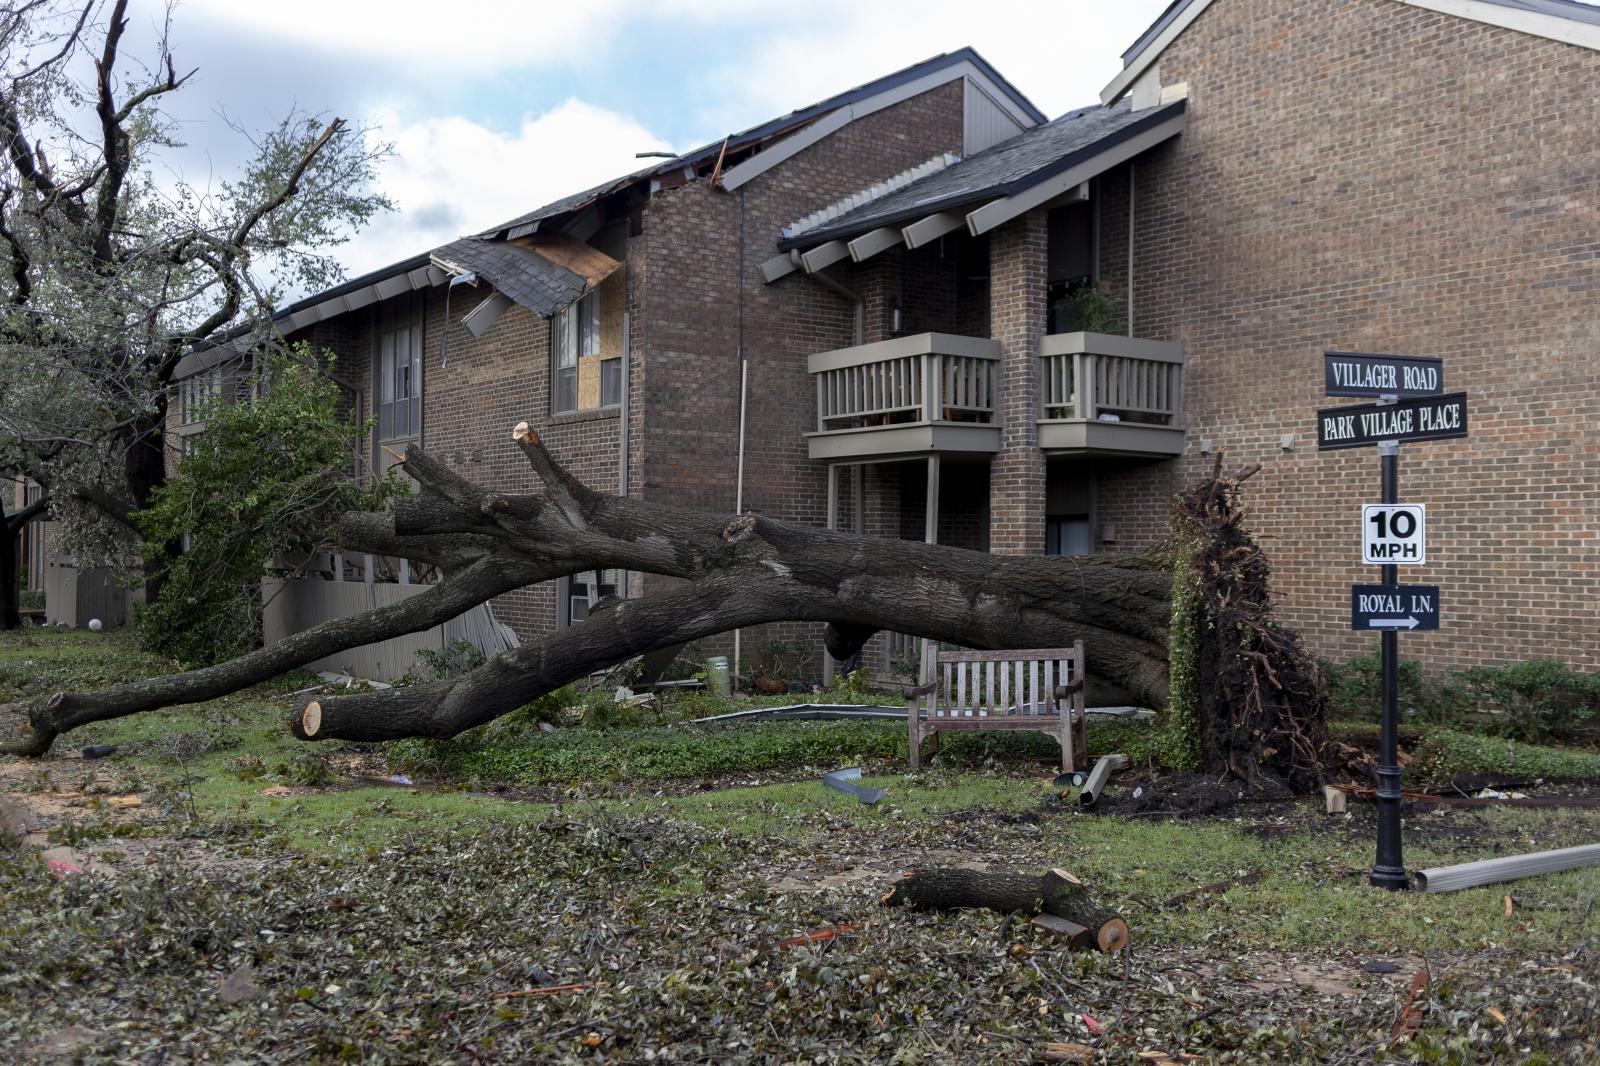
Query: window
[1067,535]
[195,393]
[576,604]
[610,382]
[399,369]
[581,380]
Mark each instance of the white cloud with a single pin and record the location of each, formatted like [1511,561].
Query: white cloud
[450,175]
[1060,54]
[477,35]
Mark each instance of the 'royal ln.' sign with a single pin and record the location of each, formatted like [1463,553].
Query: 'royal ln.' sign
[1427,418]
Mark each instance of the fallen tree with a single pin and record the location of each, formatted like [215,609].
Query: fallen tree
[733,572]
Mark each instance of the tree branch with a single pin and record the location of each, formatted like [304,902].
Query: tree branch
[17,519]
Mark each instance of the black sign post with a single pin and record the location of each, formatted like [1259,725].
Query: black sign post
[1389,870]
[1410,407]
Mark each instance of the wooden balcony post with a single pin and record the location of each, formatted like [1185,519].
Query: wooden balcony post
[1082,385]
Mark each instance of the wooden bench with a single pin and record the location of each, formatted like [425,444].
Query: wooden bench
[1039,688]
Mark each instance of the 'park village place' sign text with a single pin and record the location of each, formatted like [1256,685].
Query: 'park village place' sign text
[1359,374]
[1425,418]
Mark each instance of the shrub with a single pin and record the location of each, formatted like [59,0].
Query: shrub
[1537,701]
[1447,753]
[1355,689]
[1540,700]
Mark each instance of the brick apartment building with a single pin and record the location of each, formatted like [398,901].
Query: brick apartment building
[888,292]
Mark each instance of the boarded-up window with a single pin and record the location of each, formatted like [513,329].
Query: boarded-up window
[579,371]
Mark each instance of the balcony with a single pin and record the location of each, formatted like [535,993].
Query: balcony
[1107,395]
[933,393]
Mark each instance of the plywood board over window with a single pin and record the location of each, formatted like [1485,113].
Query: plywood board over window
[586,340]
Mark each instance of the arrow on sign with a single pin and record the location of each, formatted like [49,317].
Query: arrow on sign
[1394,623]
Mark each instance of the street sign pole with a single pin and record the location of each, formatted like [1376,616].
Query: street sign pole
[1389,870]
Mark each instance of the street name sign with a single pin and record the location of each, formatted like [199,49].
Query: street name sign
[1360,374]
[1397,608]
[1394,533]
[1419,418]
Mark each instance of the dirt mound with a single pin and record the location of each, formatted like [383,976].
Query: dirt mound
[1184,796]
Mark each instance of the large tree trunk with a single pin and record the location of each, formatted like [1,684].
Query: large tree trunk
[10,571]
[736,571]
[11,527]
[145,467]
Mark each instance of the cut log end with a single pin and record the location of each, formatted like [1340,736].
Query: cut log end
[311,719]
[523,433]
[1112,936]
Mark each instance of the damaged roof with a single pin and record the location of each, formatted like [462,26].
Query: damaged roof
[1003,170]
[528,223]
[521,274]
[539,286]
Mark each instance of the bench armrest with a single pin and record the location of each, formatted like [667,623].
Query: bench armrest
[1063,691]
[922,690]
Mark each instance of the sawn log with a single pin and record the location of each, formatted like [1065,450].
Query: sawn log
[1054,894]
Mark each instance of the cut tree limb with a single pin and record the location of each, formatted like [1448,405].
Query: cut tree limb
[1062,902]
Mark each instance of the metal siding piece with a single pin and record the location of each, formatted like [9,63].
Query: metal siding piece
[480,318]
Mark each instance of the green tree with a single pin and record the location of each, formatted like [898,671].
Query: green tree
[113,267]
[264,480]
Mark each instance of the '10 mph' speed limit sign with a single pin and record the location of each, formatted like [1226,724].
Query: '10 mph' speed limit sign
[1394,533]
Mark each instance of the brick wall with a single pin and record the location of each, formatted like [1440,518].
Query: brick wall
[704,246]
[1017,321]
[1377,177]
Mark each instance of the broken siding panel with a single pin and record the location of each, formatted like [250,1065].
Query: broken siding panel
[984,122]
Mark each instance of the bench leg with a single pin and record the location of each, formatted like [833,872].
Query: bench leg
[913,737]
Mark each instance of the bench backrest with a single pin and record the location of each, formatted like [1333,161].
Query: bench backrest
[999,684]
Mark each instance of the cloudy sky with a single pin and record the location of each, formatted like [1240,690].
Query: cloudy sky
[494,108]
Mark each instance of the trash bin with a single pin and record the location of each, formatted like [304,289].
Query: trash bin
[717,676]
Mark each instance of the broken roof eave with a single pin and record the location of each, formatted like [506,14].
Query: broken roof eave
[977,210]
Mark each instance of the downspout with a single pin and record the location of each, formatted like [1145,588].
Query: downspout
[744,381]
[1132,170]
[622,433]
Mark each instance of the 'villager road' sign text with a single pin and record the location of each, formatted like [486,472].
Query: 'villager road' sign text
[1424,418]
[1359,374]
[1400,608]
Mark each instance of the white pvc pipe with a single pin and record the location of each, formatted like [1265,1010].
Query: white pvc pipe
[1489,871]
[738,491]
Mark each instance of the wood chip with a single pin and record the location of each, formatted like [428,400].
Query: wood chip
[1065,1052]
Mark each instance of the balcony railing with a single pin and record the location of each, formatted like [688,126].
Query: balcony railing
[907,396]
[1106,394]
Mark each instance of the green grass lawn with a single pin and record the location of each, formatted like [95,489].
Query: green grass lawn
[665,861]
